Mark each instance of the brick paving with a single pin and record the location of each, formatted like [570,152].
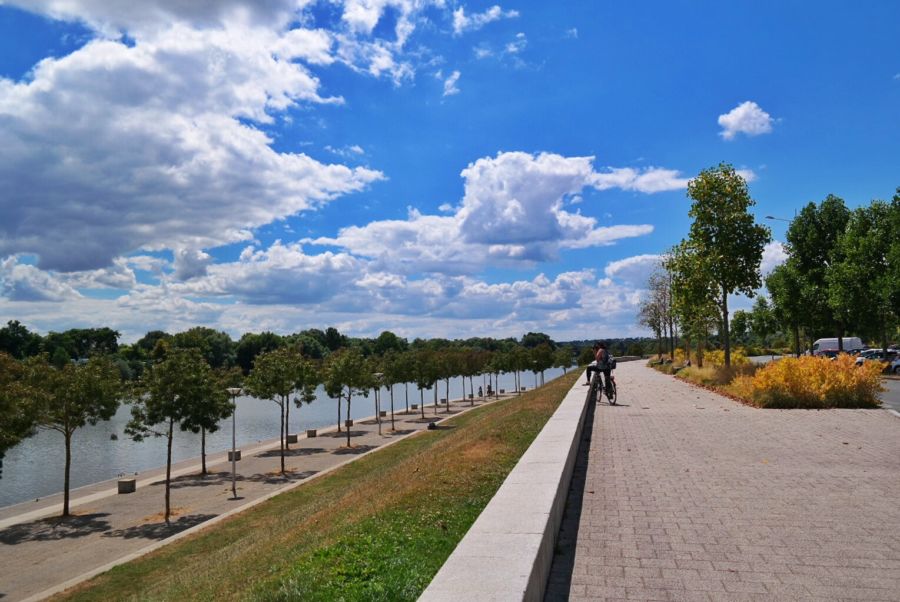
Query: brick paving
[681,494]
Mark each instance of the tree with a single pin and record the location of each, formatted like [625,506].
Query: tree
[73,396]
[725,236]
[216,346]
[346,376]
[812,245]
[276,375]
[762,321]
[533,339]
[860,282]
[252,345]
[693,296]
[562,358]
[785,286]
[18,341]
[542,358]
[388,341]
[204,416]
[17,404]
[168,394]
[740,326]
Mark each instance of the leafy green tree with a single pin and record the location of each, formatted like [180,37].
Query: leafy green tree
[334,340]
[785,286]
[693,296]
[562,358]
[252,344]
[388,341]
[216,346]
[73,396]
[533,339]
[18,341]
[346,376]
[542,359]
[740,326]
[725,237]
[812,245]
[18,403]
[275,376]
[860,282]
[762,321]
[170,393]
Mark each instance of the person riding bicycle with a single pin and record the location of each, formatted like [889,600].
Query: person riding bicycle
[592,367]
[604,366]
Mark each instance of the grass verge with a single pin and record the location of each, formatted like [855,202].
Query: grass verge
[376,529]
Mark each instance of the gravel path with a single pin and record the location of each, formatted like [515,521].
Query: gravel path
[681,494]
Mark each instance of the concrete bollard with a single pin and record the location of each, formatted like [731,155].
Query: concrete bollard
[127,485]
[348,423]
[443,400]
[524,388]
[382,413]
[237,455]
[471,396]
[414,406]
[292,438]
[310,433]
[502,391]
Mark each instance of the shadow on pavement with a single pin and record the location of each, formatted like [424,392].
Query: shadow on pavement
[160,530]
[343,434]
[357,449]
[56,528]
[195,480]
[299,451]
[560,581]
[276,477]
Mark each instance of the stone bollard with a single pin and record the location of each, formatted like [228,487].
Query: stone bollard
[382,413]
[443,400]
[127,485]
[292,438]
[524,388]
[502,391]
[414,406]
[348,423]
[237,455]
[471,396]
[310,433]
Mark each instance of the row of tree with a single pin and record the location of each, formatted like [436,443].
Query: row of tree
[842,273]
[180,387]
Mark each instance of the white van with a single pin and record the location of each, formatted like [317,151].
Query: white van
[850,344]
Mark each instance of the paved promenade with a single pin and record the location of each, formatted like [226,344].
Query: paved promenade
[39,551]
[681,494]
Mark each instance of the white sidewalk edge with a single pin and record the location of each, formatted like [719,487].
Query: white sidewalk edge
[508,551]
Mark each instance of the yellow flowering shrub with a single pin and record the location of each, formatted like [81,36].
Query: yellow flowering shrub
[717,357]
[812,382]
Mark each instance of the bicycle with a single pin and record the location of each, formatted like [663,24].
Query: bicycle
[610,392]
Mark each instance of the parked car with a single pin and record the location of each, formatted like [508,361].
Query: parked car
[851,344]
[875,354]
[895,367]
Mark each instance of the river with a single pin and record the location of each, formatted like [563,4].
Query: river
[34,468]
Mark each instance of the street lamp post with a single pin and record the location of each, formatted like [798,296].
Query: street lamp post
[234,392]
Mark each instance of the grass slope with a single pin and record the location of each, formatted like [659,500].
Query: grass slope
[376,529]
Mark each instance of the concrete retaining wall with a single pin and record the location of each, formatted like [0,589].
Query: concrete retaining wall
[507,553]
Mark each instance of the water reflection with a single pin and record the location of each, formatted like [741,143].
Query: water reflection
[34,468]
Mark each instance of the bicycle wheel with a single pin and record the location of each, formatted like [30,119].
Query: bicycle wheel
[594,391]
[611,393]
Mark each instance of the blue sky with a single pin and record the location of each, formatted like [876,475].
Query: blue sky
[431,167]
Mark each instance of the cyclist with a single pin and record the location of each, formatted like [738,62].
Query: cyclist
[592,367]
[604,366]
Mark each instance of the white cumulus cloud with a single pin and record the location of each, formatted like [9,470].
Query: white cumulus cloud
[746,118]
[450,87]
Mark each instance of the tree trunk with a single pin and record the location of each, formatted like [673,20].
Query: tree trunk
[840,336]
[285,399]
[797,339]
[422,401]
[68,437]
[406,387]
[339,412]
[281,436]
[392,408]
[447,384]
[727,341]
[348,418]
[169,468]
[699,351]
[202,450]
[434,384]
